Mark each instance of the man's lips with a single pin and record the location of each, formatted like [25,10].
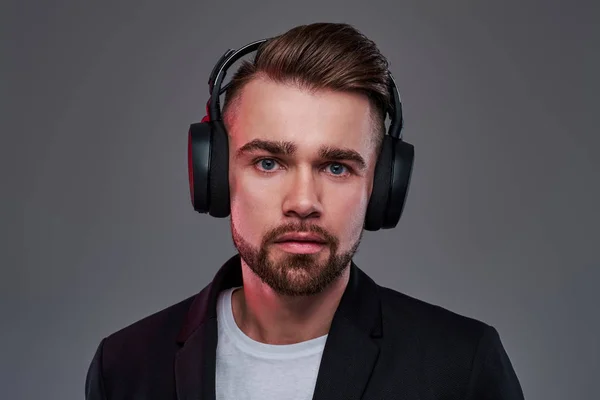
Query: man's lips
[301,237]
[301,243]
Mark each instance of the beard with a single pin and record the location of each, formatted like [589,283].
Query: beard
[295,274]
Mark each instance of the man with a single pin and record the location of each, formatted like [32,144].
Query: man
[291,316]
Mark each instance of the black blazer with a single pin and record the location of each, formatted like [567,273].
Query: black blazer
[382,345]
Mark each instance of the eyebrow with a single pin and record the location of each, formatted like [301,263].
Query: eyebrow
[270,146]
[285,148]
[339,154]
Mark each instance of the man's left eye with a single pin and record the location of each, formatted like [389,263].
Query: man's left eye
[337,169]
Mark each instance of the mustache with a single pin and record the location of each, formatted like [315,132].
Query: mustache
[292,227]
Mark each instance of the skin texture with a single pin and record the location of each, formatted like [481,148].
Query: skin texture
[290,297]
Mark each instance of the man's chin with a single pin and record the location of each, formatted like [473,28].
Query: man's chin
[296,274]
[296,279]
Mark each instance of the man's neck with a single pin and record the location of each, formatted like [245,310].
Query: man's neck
[268,317]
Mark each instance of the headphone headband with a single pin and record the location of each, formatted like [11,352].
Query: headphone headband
[231,56]
[219,72]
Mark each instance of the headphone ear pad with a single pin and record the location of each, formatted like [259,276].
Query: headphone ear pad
[219,172]
[199,138]
[402,166]
[379,199]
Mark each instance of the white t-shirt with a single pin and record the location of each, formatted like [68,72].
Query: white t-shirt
[250,370]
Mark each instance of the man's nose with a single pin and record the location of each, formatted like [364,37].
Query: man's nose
[303,195]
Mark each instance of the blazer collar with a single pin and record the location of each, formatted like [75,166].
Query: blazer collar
[349,356]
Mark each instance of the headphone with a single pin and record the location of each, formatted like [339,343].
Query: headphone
[208,156]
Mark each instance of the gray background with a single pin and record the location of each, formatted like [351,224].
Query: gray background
[97,227]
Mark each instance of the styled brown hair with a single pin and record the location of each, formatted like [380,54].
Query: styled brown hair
[317,56]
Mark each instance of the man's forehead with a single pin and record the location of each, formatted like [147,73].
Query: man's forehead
[304,120]
[269,98]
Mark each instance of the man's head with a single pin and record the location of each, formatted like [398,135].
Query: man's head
[305,122]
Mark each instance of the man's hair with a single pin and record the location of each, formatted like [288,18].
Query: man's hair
[332,56]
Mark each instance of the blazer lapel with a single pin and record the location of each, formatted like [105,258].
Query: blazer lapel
[195,362]
[346,365]
[351,349]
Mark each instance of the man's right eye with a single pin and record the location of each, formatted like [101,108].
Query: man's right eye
[266,164]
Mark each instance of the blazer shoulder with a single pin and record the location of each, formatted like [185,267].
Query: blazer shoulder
[163,323]
[128,353]
[432,322]
[154,334]
[454,348]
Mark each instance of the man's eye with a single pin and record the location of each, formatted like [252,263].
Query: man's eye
[267,164]
[337,168]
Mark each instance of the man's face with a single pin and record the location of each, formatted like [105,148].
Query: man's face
[301,164]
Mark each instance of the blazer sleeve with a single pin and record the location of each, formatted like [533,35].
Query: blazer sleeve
[493,376]
[94,382]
